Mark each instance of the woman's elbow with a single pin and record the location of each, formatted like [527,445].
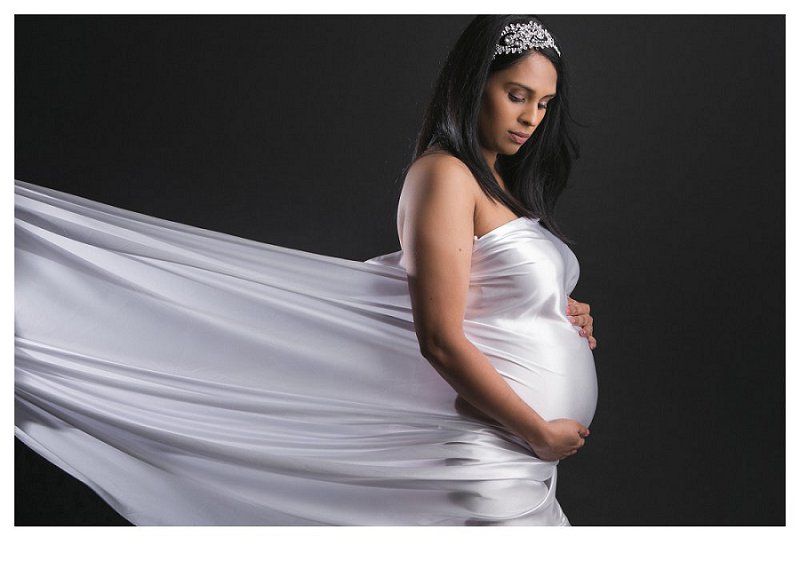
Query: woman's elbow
[440,349]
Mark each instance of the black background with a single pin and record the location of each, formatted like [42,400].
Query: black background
[293,130]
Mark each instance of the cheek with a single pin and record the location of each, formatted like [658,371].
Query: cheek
[485,121]
[491,115]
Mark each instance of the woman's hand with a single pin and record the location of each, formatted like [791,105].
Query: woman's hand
[560,438]
[578,314]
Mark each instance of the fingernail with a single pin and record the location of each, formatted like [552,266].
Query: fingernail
[582,332]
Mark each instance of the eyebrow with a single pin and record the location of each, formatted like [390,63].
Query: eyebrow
[529,89]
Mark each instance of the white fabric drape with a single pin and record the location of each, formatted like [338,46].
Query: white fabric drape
[192,377]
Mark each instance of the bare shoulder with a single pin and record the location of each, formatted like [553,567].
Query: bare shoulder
[438,200]
[439,169]
[440,180]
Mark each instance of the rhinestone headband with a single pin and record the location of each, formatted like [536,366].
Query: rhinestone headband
[516,38]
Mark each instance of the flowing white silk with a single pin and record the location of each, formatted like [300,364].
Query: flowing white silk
[194,378]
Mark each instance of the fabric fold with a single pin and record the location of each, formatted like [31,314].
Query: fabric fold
[190,377]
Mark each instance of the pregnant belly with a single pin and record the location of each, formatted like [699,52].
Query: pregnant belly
[552,369]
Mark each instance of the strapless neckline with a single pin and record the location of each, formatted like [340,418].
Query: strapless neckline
[503,227]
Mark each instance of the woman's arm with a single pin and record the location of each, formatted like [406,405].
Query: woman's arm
[436,225]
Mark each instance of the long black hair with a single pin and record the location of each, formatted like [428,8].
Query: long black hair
[537,174]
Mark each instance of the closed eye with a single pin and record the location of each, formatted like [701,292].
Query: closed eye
[519,100]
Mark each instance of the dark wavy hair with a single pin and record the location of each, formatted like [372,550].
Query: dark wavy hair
[537,174]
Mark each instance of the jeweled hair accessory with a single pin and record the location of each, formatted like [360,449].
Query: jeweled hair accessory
[516,38]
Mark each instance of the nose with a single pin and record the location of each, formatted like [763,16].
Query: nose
[531,115]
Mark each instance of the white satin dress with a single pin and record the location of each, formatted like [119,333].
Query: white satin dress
[195,378]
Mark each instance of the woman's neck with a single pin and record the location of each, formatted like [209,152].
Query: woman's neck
[491,159]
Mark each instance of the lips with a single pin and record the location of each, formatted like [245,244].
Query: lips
[519,137]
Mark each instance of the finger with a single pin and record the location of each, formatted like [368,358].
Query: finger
[584,319]
[575,307]
[579,320]
[578,308]
[592,342]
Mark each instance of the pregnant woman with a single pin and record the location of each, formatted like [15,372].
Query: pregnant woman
[191,377]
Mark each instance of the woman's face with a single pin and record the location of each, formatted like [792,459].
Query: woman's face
[514,103]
